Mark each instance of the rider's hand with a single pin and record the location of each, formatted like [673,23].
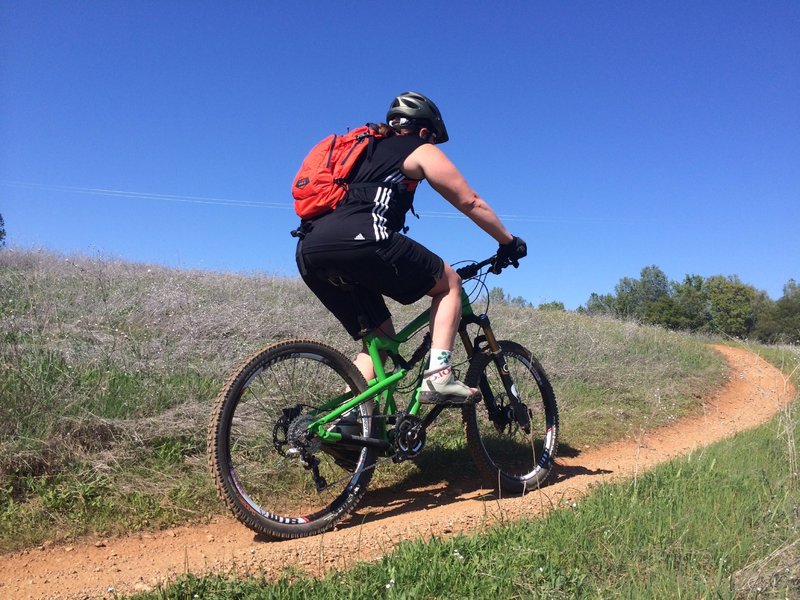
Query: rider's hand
[511,252]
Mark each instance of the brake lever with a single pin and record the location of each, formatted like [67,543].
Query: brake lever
[498,265]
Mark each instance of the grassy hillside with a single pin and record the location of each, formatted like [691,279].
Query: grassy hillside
[108,370]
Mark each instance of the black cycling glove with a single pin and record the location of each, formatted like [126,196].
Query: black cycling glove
[510,253]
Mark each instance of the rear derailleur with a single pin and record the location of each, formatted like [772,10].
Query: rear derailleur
[292,439]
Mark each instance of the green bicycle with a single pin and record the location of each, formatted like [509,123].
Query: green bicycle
[296,432]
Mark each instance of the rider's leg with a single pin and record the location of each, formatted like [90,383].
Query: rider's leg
[445,309]
[440,384]
[363,360]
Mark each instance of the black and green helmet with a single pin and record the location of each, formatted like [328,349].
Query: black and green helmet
[418,107]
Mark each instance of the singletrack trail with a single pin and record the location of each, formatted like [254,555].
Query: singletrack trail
[94,568]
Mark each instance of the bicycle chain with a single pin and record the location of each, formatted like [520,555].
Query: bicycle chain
[396,457]
[310,462]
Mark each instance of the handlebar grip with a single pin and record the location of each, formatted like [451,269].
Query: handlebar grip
[468,271]
[495,263]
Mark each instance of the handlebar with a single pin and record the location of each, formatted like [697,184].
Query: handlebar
[471,270]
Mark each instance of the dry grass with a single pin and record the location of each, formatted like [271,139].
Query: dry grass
[80,333]
[106,364]
[771,576]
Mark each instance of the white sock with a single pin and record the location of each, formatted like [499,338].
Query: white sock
[440,362]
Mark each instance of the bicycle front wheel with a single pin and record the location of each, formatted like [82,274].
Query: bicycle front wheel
[270,475]
[513,443]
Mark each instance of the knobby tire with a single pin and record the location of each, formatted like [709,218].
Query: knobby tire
[509,458]
[266,487]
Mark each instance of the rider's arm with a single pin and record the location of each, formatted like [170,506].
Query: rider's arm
[428,162]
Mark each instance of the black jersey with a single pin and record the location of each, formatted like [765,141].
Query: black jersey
[368,213]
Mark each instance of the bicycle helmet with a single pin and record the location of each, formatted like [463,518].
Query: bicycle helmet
[417,107]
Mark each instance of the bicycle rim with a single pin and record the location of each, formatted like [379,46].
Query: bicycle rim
[269,401]
[510,458]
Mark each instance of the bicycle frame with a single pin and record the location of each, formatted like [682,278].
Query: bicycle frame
[383,386]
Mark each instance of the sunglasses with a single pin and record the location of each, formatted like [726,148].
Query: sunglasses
[403,123]
[406,123]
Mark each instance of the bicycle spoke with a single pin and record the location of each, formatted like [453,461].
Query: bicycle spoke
[500,444]
[275,478]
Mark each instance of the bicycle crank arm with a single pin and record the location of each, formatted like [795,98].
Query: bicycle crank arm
[431,416]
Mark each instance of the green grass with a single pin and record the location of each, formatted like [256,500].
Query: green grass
[723,522]
[108,371]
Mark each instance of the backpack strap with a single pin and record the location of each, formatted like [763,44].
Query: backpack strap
[372,185]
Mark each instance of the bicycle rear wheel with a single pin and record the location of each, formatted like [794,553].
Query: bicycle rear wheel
[514,449]
[258,423]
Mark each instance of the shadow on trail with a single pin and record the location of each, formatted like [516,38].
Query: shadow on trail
[565,472]
[443,476]
[562,472]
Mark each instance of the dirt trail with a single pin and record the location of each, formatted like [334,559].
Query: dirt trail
[99,568]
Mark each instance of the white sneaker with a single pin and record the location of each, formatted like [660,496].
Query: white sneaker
[442,387]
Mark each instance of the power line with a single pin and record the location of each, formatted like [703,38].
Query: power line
[148,196]
[288,204]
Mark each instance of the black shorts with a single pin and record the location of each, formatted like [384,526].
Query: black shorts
[399,268]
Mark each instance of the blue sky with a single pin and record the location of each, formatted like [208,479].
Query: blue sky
[609,135]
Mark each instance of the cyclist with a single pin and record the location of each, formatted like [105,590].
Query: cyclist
[363,242]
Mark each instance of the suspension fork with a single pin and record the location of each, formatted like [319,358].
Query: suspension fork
[498,357]
[492,346]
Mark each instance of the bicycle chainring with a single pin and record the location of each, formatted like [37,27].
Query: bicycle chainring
[408,437]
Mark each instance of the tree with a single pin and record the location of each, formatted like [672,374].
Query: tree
[601,305]
[691,305]
[635,297]
[653,284]
[780,321]
[731,305]
[790,290]
[2,232]
[627,302]
[499,296]
[554,306]
[663,311]
[718,304]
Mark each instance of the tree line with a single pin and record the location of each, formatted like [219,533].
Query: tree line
[718,304]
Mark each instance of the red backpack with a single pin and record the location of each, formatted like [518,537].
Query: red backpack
[321,182]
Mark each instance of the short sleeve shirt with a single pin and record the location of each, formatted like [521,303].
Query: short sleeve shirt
[369,214]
